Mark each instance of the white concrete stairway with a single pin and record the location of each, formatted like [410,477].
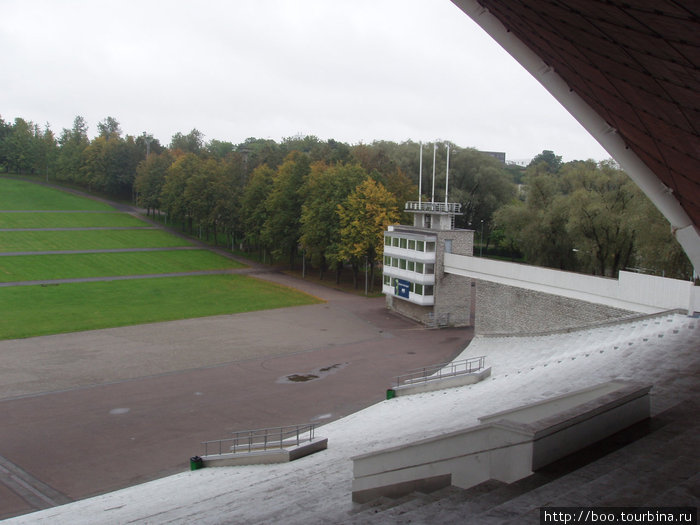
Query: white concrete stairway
[652,463]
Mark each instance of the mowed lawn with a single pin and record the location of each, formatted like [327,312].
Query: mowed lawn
[74,266]
[69,307]
[37,241]
[69,219]
[22,195]
[41,310]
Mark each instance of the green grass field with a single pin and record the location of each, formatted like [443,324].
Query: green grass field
[70,220]
[37,241]
[41,310]
[46,267]
[69,307]
[22,195]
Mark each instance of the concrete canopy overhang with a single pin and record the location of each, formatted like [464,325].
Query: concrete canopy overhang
[628,72]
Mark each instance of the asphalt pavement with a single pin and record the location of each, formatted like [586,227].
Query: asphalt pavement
[90,412]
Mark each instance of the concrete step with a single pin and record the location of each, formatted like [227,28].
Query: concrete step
[605,473]
[387,510]
[655,462]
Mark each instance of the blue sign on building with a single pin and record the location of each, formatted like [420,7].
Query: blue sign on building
[402,288]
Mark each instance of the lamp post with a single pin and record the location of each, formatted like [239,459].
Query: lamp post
[366,263]
[481,242]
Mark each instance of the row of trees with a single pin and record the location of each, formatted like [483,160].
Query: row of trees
[588,217]
[330,200]
[334,213]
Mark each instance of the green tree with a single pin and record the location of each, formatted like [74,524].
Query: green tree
[19,147]
[364,216]
[253,209]
[657,250]
[602,209]
[325,188]
[190,143]
[5,130]
[219,149]
[46,151]
[546,160]
[72,145]
[174,196]
[225,216]
[109,128]
[281,230]
[150,178]
[481,184]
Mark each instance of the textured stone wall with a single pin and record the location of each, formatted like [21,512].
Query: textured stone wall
[453,293]
[502,309]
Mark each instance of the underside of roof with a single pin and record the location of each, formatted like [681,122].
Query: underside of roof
[634,64]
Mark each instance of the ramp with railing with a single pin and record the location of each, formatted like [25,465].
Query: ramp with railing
[437,377]
[264,445]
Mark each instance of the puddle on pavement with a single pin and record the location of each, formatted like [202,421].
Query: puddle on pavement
[318,373]
[300,378]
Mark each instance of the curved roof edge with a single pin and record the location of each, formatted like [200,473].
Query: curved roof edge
[685,230]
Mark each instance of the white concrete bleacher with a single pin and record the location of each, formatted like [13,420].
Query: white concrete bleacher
[662,351]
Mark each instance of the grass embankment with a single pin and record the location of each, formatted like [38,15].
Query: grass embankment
[41,310]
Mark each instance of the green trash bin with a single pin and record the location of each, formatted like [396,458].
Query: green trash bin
[196,463]
[390,393]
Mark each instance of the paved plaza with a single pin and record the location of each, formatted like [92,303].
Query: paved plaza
[90,412]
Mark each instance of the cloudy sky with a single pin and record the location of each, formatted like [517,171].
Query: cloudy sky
[355,71]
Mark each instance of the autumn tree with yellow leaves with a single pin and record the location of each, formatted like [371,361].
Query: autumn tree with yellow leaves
[364,216]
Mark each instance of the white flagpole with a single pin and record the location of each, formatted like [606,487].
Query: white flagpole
[447,175]
[420,177]
[432,198]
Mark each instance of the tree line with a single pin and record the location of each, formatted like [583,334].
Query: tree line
[328,202]
[588,217]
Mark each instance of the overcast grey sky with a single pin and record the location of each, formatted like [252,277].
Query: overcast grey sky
[355,71]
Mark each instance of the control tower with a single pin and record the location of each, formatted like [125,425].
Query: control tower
[414,281]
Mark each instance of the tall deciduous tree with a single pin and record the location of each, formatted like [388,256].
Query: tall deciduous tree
[150,178]
[602,207]
[326,187]
[253,205]
[190,143]
[19,147]
[282,228]
[174,193]
[364,216]
[109,128]
[73,143]
[47,152]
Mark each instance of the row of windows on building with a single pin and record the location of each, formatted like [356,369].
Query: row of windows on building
[416,288]
[411,266]
[409,244]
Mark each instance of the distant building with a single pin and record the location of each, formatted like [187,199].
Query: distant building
[498,155]
[414,280]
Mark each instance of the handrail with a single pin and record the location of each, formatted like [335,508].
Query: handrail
[430,373]
[261,439]
[444,207]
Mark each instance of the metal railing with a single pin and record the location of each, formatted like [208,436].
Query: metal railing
[430,373]
[261,439]
[441,207]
